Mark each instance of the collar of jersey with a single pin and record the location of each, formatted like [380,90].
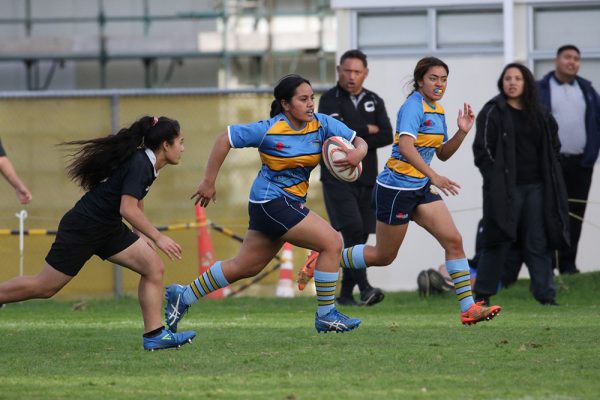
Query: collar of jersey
[152,158]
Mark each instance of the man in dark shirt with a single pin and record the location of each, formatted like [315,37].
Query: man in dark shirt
[575,105]
[349,204]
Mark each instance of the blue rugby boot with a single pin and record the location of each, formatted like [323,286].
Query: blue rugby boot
[335,321]
[168,340]
[176,307]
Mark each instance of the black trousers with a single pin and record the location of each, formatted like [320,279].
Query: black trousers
[533,243]
[578,180]
[349,209]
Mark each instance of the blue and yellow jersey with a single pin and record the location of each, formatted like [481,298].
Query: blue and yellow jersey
[288,156]
[425,122]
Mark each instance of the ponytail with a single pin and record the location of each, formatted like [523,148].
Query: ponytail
[276,108]
[96,159]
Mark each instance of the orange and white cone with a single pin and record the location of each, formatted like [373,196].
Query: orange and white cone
[206,251]
[286,273]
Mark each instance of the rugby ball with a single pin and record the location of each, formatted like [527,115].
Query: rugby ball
[332,151]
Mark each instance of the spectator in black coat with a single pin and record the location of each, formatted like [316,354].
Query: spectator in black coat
[516,149]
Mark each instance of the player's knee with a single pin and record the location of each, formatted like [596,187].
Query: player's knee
[155,267]
[334,244]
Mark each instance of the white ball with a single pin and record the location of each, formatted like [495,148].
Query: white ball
[331,152]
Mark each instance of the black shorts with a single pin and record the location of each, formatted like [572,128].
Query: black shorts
[275,217]
[79,238]
[395,207]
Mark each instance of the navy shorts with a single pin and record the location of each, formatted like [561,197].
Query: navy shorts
[395,207]
[79,238]
[275,217]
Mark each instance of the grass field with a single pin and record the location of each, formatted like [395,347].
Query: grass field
[267,348]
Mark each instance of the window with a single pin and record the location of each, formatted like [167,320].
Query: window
[399,30]
[469,29]
[431,30]
[552,27]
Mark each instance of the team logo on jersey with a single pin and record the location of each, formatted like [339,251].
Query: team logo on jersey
[147,188]
[279,146]
[369,106]
[428,122]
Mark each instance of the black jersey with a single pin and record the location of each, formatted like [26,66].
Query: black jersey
[102,203]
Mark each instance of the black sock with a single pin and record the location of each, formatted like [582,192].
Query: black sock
[154,332]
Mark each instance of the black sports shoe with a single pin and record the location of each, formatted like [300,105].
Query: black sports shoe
[346,301]
[423,284]
[372,296]
[437,282]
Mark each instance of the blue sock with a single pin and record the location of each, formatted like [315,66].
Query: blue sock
[325,283]
[459,272]
[354,257]
[206,283]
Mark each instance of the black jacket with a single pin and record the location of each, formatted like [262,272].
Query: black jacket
[592,116]
[336,102]
[495,156]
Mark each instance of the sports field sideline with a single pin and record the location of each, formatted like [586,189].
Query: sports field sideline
[267,348]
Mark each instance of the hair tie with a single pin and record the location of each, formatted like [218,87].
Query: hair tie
[154,120]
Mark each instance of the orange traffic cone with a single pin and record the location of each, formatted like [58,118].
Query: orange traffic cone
[286,273]
[206,252]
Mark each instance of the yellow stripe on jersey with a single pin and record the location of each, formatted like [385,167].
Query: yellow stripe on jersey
[437,110]
[299,190]
[282,128]
[403,167]
[429,140]
[282,163]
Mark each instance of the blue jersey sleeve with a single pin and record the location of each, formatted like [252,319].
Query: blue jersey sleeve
[334,127]
[247,135]
[445,130]
[410,117]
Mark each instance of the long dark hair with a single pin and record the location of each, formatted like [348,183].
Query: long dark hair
[96,159]
[530,98]
[421,69]
[285,90]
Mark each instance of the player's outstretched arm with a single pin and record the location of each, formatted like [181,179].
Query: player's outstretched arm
[9,173]
[132,213]
[207,190]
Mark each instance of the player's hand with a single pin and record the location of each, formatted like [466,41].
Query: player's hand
[352,159]
[169,247]
[372,129]
[445,185]
[23,195]
[466,118]
[205,193]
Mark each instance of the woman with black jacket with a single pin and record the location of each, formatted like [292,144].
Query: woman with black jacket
[516,149]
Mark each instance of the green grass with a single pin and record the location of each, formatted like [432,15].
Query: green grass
[265,348]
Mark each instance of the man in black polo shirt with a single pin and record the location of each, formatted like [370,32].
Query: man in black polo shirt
[349,204]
